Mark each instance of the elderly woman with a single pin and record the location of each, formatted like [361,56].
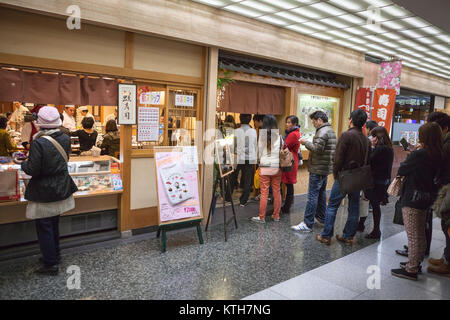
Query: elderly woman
[50,190]
[111,140]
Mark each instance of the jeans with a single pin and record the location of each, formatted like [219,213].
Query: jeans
[47,230]
[317,199]
[247,173]
[446,255]
[330,214]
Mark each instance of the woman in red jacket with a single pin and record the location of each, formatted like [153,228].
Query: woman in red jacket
[291,141]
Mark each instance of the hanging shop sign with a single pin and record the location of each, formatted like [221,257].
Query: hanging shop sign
[182,100]
[363,99]
[126,113]
[383,107]
[153,97]
[178,196]
[389,76]
[148,124]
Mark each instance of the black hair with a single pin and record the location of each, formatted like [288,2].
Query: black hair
[230,118]
[111,126]
[269,123]
[441,118]
[359,118]
[371,124]
[258,117]
[3,122]
[8,114]
[294,120]
[87,122]
[319,115]
[245,118]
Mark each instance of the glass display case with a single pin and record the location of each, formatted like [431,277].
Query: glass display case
[90,174]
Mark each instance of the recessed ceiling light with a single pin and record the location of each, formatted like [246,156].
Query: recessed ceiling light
[258,6]
[311,14]
[327,8]
[273,20]
[291,16]
[315,25]
[243,11]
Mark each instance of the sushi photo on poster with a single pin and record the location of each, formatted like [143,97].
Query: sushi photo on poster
[178,196]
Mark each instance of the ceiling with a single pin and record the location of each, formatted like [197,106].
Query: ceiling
[378,28]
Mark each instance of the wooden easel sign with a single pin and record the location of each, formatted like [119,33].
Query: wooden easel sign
[177,187]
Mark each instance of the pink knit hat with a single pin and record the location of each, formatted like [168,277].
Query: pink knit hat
[48,117]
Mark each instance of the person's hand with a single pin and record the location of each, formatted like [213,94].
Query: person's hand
[302,140]
[374,142]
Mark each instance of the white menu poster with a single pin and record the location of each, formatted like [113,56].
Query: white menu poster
[190,158]
[148,124]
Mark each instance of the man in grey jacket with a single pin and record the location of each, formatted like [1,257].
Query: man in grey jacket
[320,166]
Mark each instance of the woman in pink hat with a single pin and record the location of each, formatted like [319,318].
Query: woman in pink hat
[50,190]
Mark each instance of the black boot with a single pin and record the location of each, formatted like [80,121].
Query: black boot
[361,226]
[287,204]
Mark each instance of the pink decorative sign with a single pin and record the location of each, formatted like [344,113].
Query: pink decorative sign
[390,73]
[177,187]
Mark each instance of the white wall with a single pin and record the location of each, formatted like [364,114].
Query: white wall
[143,183]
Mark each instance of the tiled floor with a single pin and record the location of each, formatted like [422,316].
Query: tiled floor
[348,277]
[255,257]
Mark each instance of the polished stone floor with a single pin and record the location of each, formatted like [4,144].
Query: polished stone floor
[255,257]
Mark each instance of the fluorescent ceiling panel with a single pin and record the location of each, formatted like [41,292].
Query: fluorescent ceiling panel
[316,25]
[408,43]
[344,43]
[340,34]
[393,36]
[431,30]
[412,33]
[374,15]
[356,30]
[352,19]
[357,40]
[396,25]
[444,38]
[259,6]
[291,16]
[283,4]
[335,23]
[391,44]
[214,3]
[328,9]
[349,5]
[416,22]
[374,38]
[273,20]
[378,3]
[245,11]
[396,11]
[377,28]
[308,13]
[301,28]
[322,36]
[425,40]
[441,47]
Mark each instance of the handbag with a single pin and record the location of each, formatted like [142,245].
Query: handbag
[357,179]
[398,215]
[256,179]
[9,188]
[395,188]
[286,158]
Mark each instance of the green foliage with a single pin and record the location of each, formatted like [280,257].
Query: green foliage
[225,80]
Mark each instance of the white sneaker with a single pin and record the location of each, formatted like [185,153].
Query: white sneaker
[275,219]
[302,227]
[258,219]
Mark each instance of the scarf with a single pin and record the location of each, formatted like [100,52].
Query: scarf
[44,133]
[289,131]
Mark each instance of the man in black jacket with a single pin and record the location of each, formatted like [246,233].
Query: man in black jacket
[352,151]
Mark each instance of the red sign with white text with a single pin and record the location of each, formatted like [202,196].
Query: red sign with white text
[362,101]
[383,107]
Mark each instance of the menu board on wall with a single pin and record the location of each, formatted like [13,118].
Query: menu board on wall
[182,100]
[178,196]
[148,124]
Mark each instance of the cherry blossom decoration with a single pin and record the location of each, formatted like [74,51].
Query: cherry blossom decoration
[390,75]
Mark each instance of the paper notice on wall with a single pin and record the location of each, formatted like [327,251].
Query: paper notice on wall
[190,158]
[148,124]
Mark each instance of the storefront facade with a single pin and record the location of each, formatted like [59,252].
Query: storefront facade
[162,53]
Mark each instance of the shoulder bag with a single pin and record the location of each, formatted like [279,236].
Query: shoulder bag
[395,188]
[58,147]
[357,179]
[286,158]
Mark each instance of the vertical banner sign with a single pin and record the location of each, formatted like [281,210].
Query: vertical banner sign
[127,104]
[383,107]
[362,101]
[389,76]
[178,196]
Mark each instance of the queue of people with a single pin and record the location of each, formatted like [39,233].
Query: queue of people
[424,172]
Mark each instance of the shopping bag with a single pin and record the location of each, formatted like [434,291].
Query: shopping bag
[398,215]
[256,179]
[395,188]
[9,186]
[363,207]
